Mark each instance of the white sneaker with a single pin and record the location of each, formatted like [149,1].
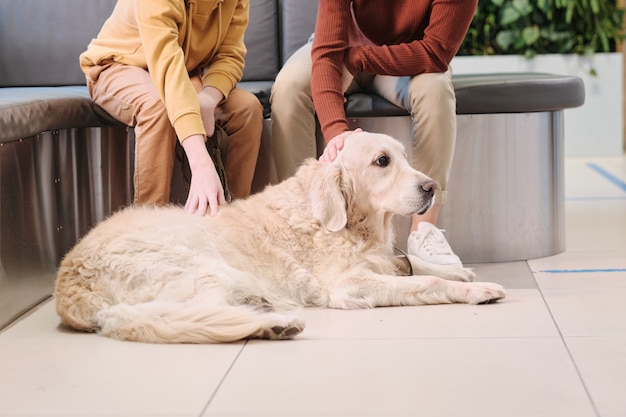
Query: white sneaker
[430,245]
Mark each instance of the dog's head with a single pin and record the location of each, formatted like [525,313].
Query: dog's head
[373,175]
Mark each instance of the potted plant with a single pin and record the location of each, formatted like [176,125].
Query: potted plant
[528,28]
[576,37]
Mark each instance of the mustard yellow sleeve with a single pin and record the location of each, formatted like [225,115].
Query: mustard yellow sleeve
[226,68]
[157,22]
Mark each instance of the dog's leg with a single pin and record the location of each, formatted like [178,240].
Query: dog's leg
[381,290]
[163,322]
[452,273]
[258,302]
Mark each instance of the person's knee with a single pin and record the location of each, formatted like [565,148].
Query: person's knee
[290,84]
[243,113]
[432,91]
[254,107]
[152,111]
[432,85]
[245,106]
[252,113]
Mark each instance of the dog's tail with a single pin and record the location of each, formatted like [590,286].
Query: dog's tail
[163,322]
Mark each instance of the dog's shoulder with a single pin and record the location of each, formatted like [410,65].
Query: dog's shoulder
[290,192]
[308,170]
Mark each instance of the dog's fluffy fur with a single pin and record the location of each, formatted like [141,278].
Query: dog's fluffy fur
[321,238]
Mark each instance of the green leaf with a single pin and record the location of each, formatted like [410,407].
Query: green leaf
[505,39]
[523,7]
[530,35]
[508,15]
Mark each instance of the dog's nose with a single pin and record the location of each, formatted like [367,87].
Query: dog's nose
[428,187]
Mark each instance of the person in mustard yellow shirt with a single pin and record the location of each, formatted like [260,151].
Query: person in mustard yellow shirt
[170,69]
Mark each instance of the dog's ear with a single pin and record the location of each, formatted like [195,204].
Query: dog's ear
[327,200]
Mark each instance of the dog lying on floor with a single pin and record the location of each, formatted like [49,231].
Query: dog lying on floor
[322,238]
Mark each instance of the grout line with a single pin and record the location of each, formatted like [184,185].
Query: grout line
[569,353]
[219,385]
[608,176]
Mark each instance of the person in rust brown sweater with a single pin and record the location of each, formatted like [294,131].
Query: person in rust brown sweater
[398,49]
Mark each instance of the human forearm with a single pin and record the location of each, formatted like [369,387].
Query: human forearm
[205,190]
[196,151]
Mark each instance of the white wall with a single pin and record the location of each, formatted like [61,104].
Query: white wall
[596,128]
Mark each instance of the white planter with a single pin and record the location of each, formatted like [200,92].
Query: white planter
[596,128]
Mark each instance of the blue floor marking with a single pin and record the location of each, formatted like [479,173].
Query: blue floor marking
[621,185]
[607,175]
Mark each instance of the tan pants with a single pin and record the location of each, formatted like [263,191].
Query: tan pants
[429,98]
[128,94]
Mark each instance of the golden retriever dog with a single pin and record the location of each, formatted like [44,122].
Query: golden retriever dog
[323,238]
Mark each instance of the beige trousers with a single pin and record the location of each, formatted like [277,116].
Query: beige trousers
[429,98]
[128,94]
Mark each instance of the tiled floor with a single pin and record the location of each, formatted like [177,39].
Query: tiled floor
[555,347]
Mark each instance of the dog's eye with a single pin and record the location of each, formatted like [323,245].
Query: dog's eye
[382,161]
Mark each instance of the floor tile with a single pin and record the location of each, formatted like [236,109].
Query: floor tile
[429,377]
[522,314]
[588,311]
[580,262]
[602,365]
[46,370]
[587,178]
[595,226]
[512,275]
[595,190]
[582,279]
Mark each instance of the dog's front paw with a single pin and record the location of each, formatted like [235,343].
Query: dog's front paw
[484,293]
